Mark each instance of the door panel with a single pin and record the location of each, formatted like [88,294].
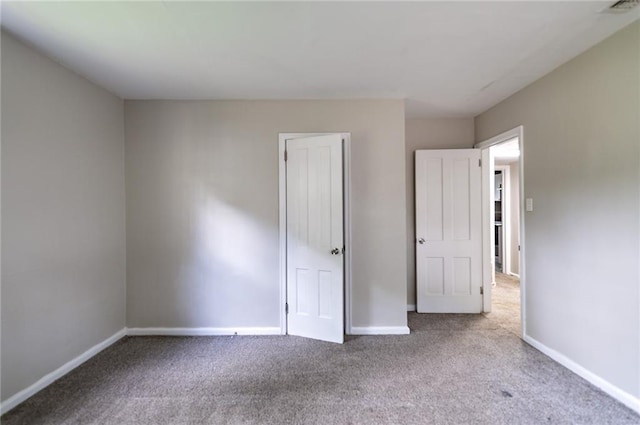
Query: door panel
[433,197]
[448,231]
[460,199]
[315,277]
[434,274]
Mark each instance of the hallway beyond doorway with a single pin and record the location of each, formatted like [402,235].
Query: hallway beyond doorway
[505,309]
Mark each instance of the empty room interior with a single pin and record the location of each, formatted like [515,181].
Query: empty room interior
[320,212]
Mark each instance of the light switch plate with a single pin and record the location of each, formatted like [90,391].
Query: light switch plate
[528,204]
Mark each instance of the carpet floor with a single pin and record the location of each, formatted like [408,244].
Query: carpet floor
[452,369]
[505,303]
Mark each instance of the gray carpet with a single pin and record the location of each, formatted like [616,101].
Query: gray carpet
[452,369]
[505,303]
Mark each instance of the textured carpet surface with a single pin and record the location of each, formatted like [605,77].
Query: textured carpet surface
[452,369]
[505,303]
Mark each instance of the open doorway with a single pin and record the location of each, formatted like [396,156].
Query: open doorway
[505,296]
[503,230]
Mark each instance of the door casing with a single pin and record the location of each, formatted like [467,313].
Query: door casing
[282,207]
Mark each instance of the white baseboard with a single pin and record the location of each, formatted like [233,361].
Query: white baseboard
[514,275]
[202,331]
[622,396]
[380,330]
[411,307]
[46,380]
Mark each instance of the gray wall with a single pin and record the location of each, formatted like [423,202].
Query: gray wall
[202,209]
[581,167]
[514,208]
[63,216]
[428,133]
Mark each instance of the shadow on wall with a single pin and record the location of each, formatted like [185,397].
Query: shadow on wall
[231,269]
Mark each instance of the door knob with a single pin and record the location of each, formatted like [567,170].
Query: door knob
[335,251]
[421,241]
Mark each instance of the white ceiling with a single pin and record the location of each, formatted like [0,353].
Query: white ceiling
[445,59]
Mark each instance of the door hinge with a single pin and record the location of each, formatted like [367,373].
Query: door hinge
[480,163]
[286,308]
[482,290]
[285,156]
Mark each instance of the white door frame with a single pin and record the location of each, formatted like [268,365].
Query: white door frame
[485,145]
[282,208]
[506,216]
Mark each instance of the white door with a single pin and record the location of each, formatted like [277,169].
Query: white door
[448,231]
[315,240]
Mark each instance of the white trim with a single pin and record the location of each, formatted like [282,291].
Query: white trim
[282,231]
[282,211]
[521,260]
[348,294]
[49,378]
[380,330]
[488,256]
[622,396]
[502,137]
[203,331]
[514,275]
[411,307]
